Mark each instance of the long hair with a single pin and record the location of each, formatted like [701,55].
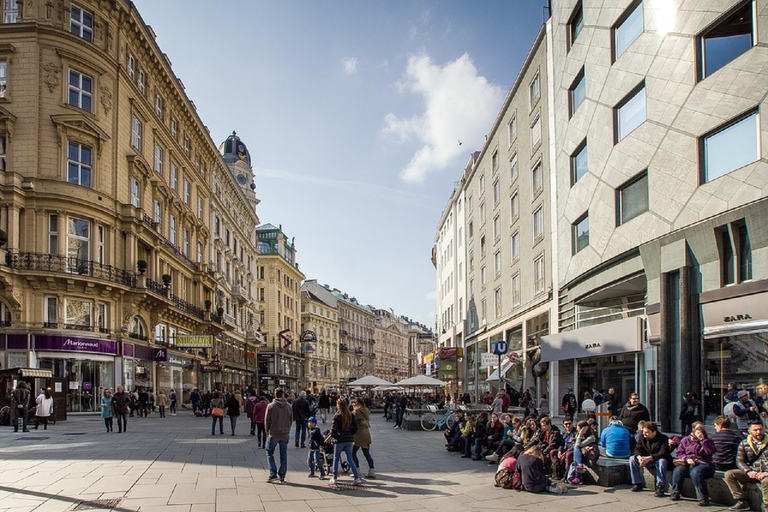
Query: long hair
[359,404]
[535,450]
[346,417]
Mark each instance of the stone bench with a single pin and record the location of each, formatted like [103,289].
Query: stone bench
[609,472]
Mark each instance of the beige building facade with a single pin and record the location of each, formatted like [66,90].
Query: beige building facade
[320,317]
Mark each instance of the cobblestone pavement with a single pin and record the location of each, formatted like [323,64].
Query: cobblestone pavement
[175,464]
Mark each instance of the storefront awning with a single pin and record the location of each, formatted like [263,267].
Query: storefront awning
[35,372]
[616,337]
[735,329]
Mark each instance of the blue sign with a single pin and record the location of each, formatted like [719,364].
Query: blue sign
[499,347]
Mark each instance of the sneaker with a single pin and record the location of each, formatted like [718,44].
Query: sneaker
[272,479]
[557,489]
[332,481]
[493,457]
[282,480]
[395,427]
[741,505]
[576,481]
[371,474]
[704,502]
[675,496]
[323,477]
[357,481]
[659,491]
[636,488]
[311,475]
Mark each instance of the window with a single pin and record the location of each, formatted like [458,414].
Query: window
[80,90]
[482,311]
[142,82]
[78,240]
[10,11]
[536,133]
[185,247]
[79,164]
[627,30]
[174,128]
[131,66]
[3,78]
[77,314]
[497,301]
[496,227]
[538,275]
[735,253]
[516,290]
[495,160]
[514,246]
[730,147]
[534,91]
[513,169]
[576,24]
[482,214]
[81,23]
[497,263]
[158,159]
[580,233]
[630,113]
[174,176]
[135,198]
[2,152]
[482,277]
[186,192]
[514,206]
[101,317]
[173,229]
[632,199]
[537,179]
[53,234]
[579,162]
[51,309]
[481,185]
[482,246]
[199,252]
[157,214]
[471,230]
[496,192]
[100,245]
[159,103]
[199,207]
[538,224]
[726,40]
[187,146]
[577,93]
[136,133]
[512,130]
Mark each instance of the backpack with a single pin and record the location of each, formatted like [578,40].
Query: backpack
[508,480]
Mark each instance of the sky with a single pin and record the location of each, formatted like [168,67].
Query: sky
[352,112]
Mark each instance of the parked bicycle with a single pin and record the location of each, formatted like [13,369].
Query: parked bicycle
[431,420]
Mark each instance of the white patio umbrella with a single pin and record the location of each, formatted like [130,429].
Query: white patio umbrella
[420,381]
[369,381]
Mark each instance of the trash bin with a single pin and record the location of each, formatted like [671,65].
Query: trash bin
[603,416]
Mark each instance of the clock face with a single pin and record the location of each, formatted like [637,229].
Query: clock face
[240,148]
[241,179]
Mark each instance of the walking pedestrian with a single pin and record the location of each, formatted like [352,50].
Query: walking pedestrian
[260,410]
[120,404]
[277,421]
[569,404]
[107,409]
[362,438]
[301,412]
[250,406]
[44,408]
[402,405]
[316,442]
[162,402]
[324,404]
[233,411]
[344,428]
[20,406]
[174,400]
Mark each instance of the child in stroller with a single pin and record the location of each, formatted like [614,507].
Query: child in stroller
[327,451]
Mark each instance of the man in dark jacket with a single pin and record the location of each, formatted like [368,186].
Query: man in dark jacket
[569,404]
[20,406]
[324,404]
[120,403]
[277,422]
[301,412]
[550,443]
[633,412]
[652,452]
[727,442]
[752,461]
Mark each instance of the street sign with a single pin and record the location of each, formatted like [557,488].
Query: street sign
[499,347]
[487,359]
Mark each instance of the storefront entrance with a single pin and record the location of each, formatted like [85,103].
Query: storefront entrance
[85,380]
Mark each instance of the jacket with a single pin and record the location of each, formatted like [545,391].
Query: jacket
[324,402]
[120,401]
[21,398]
[233,406]
[744,413]
[45,406]
[250,406]
[343,436]
[617,442]
[700,451]
[278,418]
[161,400]
[531,470]
[316,440]
[362,437]
[301,411]
[657,448]
[727,442]
[106,407]
[259,411]
[753,455]
[631,415]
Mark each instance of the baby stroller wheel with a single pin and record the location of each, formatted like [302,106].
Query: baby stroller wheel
[344,466]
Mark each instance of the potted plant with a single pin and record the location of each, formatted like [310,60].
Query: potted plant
[3,238]
[166,280]
[141,265]
[207,305]
[220,311]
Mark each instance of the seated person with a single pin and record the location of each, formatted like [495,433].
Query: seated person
[454,431]
[584,449]
[652,452]
[508,461]
[639,434]
[551,441]
[565,453]
[494,435]
[481,435]
[694,459]
[530,466]
[751,460]
[468,437]
[616,441]
[727,442]
[510,439]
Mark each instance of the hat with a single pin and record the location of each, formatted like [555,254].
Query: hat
[312,419]
[742,393]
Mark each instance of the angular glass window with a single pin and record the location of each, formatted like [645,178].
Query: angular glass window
[579,162]
[496,192]
[514,246]
[536,133]
[513,170]
[577,93]
[514,206]
[632,199]
[726,40]
[629,28]
[512,129]
[630,113]
[580,233]
[537,179]
[575,25]
[538,224]
[534,91]
[730,147]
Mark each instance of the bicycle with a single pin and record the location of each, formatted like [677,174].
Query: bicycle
[431,420]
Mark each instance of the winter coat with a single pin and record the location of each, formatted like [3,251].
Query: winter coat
[106,407]
[45,406]
[531,470]
[727,442]
[631,415]
[362,437]
[259,411]
[617,442]
[278,418]
[161,400]
[316,440]
[233,406]
[343,436]
[658,447]
[301,410]
[120,401]
[753,455]
[250,404]
[324,402]
[700,451]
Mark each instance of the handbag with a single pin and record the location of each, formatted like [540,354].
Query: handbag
[217,412]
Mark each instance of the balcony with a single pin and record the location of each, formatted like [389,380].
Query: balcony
[343,348]
[358,350]
[229,320]
[372,355]
[239,293]
[68,265]
[177,302]
[179,252]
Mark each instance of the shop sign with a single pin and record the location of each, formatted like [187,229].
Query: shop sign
[210,368]
[487,359]
[179,361]
[308,337]
[618,337]
[74,344]
[160,355]
[194,341]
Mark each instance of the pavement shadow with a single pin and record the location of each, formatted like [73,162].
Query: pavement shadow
[67,499]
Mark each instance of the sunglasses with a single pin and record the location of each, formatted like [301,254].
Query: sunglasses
[567,424]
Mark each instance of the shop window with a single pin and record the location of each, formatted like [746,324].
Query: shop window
[730,147]
[579,164]
[735,253]
[726,40]
[632,199]
[630,113]
[580,233]
[628,29]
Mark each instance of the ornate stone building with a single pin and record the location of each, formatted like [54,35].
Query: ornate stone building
[320,315]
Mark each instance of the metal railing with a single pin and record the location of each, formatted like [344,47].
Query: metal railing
[69,265]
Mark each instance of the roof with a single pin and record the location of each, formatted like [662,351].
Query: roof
[267,227]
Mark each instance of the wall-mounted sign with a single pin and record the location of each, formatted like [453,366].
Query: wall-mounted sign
[160,355]
[194,341]
[308,337]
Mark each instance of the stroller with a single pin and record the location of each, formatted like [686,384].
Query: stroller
[327,451]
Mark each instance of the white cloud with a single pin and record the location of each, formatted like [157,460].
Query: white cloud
[350,66]
[431,296]
[458,105]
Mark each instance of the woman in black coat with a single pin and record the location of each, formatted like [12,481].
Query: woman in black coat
[233,411]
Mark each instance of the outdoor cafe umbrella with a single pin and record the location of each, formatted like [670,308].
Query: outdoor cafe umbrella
[420,381]
[369,381]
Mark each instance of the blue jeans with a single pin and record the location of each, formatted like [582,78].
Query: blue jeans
[698,475]
[636,470]
[301,430]
[338,448]
[399,417]
[213,425]
[272,443]
[315,459]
